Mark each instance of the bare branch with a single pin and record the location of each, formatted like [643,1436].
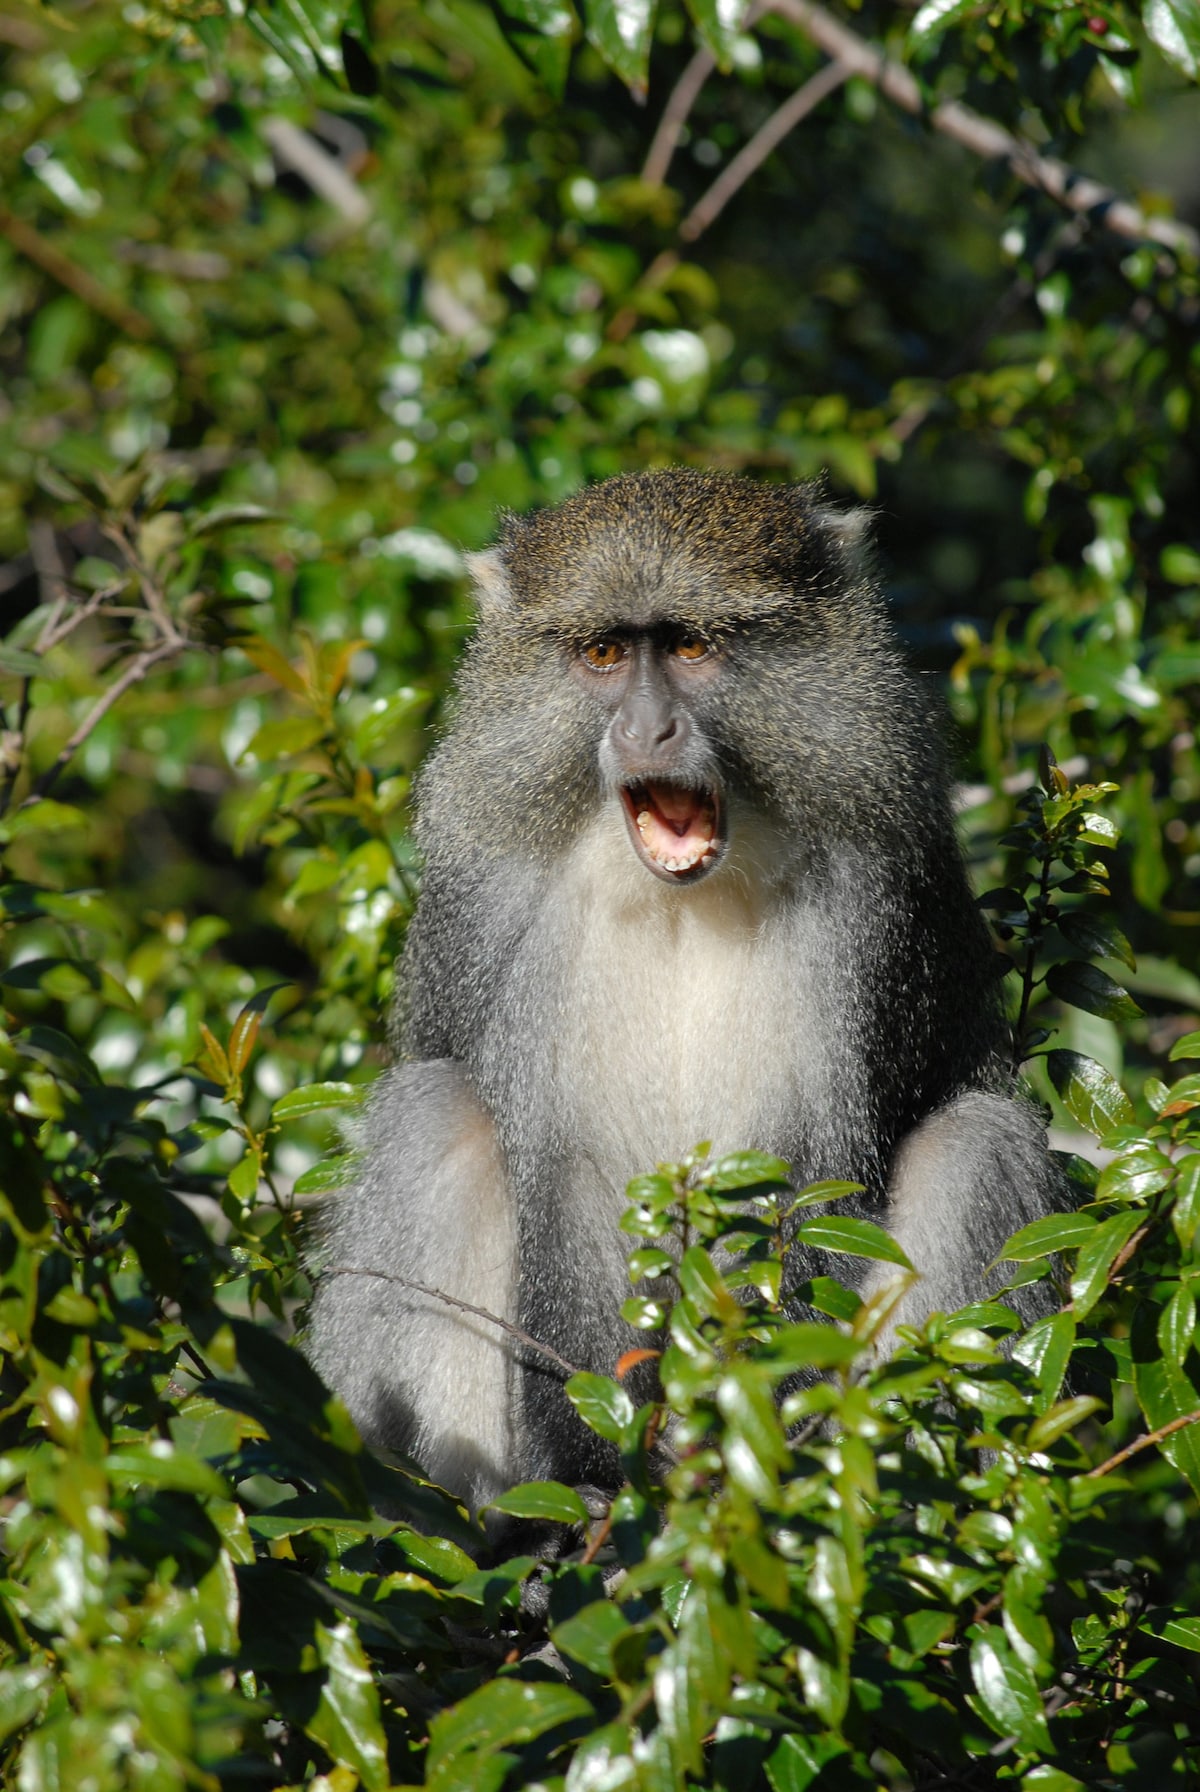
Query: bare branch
[983,136]
[793,110]
[46,255]
[463,1306]
[682,98]
[299,150]
[134,672]
[1143,1443]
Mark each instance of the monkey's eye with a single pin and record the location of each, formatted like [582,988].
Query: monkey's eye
[604,654]
[691,647]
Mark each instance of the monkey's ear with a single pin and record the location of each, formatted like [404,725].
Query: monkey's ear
[493,593]
[850,530]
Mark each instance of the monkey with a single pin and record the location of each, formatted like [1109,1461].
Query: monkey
[690,874]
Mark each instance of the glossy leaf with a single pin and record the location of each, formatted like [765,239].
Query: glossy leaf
[621,30]
[316,1097]
[542,1499]
[499,1715]
[1008,1693]
[602,1404]
[856,1238]
[1097,935]
[1174,26]
[1185,1213]
[1097,1255]
[1058,1232]
[1086,986]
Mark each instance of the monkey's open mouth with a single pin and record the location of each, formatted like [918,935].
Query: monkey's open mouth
[676,831]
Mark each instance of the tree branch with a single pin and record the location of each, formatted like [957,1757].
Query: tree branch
[46,255]
[134,672]
[1143,1443]
[983,136]
[462,1306]
[682,98]
[793,110]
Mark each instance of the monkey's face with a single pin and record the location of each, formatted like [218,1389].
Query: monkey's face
[655,755]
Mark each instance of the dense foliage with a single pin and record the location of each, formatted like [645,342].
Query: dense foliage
[292,297]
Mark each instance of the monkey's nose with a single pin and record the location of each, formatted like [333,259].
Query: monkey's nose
[648,727]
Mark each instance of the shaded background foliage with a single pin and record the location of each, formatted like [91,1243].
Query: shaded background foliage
[292,299]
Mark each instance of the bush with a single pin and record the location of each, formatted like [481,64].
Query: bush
[250,413]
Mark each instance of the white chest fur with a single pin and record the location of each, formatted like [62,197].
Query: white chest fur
[683,1012]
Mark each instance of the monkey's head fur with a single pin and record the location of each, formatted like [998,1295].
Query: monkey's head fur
[699,649]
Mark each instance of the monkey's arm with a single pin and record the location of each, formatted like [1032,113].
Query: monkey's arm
[962,1182]
[433,1207]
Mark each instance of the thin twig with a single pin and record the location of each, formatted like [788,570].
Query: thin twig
[56,631]
[682,98]
[133,673]
[1143,1443]
[44,254]
[793,111]
[983,136]
[463,1306]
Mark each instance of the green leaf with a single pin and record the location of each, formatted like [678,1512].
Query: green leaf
[603,1405]
[159,1464]
[223,516]
[1181,1098]
[1097,1255]
[1060,1419]
[24,1691]
[19,663]
[331,1173]
[1165,1393]
[590,1635]
[937,15]
[701,1282]
[347,1720]
[542,1499]
[1140,1171]
[817,1193]
[497,1716]
[1045,1349]
[1089,1092]
[1185,1214]
[745,1169]
[1096,935]
[811,1346]
[855,1238]
[621,30]
[719,25]
[1058,1232]
[604,1762]
[825,1295]
[317,1096]
[799,1762]
[1086,986]
[385,716]
[281,740]
[1185,1632]
[1177,1324]
[1187,1047]
[1008,1692]
[43,817]
[541,32]
[1174,27]
[1098,830]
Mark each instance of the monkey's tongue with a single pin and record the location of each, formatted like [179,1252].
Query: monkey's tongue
[676,826]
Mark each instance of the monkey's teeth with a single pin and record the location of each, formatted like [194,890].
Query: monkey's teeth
[643,820]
